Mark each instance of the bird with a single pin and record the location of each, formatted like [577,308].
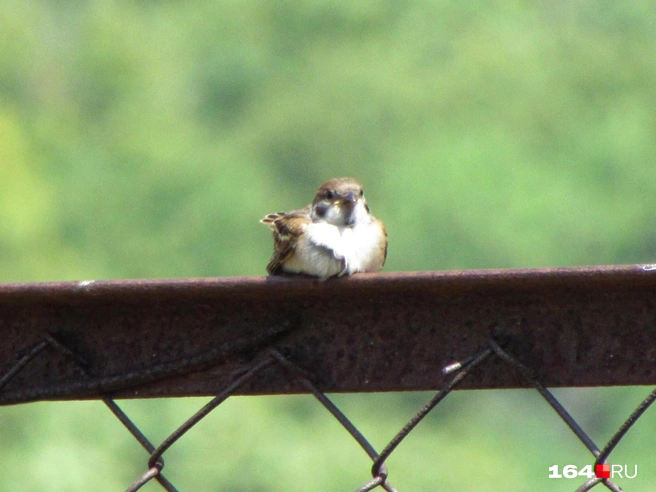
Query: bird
[335,235]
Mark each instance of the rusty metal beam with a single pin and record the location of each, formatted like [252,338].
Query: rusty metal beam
[373,332]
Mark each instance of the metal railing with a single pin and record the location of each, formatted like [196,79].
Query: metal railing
[379,332]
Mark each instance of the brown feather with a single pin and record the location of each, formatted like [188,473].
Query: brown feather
[286,227]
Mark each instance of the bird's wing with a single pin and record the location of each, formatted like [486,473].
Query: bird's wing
[286,227]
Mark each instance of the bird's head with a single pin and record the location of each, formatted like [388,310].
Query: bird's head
[341,202]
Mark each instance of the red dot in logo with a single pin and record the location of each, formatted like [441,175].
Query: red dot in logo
[602,470]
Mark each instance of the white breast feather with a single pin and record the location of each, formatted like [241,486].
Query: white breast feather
[358,245]
[309,259]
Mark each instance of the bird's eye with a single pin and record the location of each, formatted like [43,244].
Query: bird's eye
[330,194]
[361,192]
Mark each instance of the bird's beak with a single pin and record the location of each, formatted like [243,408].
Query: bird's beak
[348,198]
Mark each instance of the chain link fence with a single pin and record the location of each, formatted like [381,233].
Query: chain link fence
[458,372]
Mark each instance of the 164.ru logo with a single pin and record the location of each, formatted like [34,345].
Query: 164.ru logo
[602,470]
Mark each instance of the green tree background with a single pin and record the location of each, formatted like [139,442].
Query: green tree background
[146,139]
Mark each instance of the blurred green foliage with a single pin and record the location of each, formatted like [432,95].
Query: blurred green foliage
[146,139]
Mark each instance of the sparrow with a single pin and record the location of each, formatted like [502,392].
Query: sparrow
[335,235]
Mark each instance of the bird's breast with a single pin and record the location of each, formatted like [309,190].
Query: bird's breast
[362,246]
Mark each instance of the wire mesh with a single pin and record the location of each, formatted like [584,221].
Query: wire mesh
[270,357]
